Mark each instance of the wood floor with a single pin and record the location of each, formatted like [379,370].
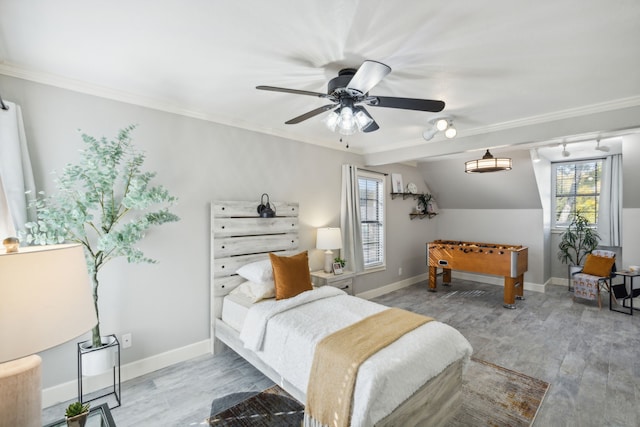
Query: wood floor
[591,358]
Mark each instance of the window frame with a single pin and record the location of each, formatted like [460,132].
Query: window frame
[575,194]
[381,183]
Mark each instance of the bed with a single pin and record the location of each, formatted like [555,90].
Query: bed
[415,379]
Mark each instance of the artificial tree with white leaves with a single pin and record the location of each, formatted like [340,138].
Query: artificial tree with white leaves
[104,202]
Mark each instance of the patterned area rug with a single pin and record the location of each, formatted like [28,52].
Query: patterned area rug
[491,396]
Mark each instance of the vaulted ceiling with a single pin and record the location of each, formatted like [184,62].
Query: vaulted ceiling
[503,68]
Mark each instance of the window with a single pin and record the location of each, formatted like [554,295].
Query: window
[576,188]
[371,189]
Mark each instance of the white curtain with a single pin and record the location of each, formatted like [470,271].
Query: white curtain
[350,219]
[610,210]
[16,175]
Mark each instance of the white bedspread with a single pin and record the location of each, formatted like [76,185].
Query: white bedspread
[284,334]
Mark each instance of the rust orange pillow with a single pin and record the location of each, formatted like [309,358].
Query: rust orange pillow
[291,274]
[598,265]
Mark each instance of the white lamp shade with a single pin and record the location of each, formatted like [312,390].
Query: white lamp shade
[329,238]
[45,299]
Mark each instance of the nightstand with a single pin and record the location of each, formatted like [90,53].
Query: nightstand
[342,281]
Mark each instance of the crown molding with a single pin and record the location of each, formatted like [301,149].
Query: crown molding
[17,71]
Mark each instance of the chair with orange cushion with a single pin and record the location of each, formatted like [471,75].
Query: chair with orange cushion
[598,270]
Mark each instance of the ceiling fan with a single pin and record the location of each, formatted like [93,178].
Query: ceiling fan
[349,92]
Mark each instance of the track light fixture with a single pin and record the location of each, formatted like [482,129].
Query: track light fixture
[440,124]
[603,148]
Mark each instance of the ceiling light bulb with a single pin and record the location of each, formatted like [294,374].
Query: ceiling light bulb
[332,120]
[362,120]
[451,132]
[565,153]
[442,124]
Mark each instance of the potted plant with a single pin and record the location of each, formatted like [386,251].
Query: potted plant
[424,203]
[341,261]
[578,240]
[104,202]
[76,414]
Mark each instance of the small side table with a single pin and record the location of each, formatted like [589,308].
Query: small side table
[342,281]
[620,291]
[100,416]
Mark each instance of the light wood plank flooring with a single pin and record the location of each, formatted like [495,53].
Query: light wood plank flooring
[591,358]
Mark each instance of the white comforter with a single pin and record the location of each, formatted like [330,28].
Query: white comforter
[284,334]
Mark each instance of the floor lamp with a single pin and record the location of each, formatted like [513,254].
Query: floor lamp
[45,300]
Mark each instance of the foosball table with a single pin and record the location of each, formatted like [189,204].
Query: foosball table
[509,261]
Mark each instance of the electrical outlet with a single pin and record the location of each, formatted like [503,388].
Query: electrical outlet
[400,271]
[126,340]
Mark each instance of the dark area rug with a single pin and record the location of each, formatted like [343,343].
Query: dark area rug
[272,407]
[491,396]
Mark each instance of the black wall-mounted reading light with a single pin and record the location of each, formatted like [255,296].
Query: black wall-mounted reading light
[264,209]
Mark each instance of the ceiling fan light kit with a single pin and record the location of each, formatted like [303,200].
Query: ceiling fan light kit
[488,163]
[348,91]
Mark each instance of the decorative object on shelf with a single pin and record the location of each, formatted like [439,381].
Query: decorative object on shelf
[11,244]
[96,205]
[424,203]
[412,188]
[487,163]
[396,183]
[48,289]
[76,414]
[337,268]
[264,209]
[440,124]
[328,238]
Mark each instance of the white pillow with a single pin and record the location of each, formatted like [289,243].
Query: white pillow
[257,272]
[255,291]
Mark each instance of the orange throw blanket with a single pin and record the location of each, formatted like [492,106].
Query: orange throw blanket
[338,357]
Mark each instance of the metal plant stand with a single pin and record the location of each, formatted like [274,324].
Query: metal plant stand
[116,390]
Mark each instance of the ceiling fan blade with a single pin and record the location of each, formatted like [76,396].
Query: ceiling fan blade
[406,103]
[295,91]
[368,75]
[310,114]
[373,126]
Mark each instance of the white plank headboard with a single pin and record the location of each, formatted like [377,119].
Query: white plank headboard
[239,236]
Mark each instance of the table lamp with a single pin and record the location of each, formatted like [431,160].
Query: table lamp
[328,238]
[45,300]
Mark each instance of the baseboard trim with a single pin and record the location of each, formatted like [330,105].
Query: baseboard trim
[490,280]
[69,390]
[497,280]
[382,290]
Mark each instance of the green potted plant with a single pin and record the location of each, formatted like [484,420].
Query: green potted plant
[341,261]
[76,414]
[578,240]
[104,202]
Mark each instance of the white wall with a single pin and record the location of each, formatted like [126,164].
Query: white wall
[514,226]
[166,306]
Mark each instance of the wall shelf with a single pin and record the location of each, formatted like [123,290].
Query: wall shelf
[404,195]
[422,215]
